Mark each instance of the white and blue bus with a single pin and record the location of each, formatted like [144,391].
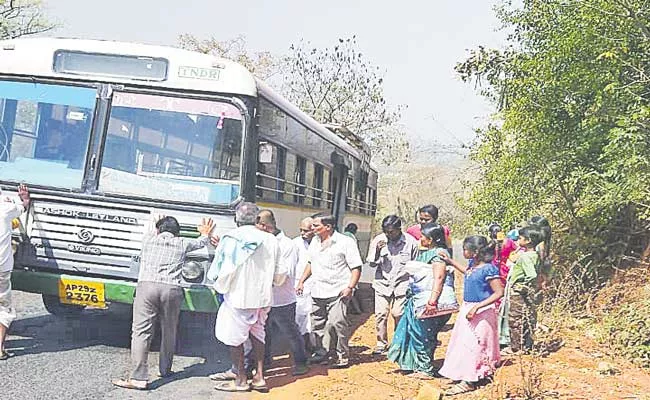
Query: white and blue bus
[107,134]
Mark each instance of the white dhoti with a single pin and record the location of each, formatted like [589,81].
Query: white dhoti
[7,312]
[234,325]
[303,313]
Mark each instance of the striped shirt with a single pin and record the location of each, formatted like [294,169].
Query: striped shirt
[163,255]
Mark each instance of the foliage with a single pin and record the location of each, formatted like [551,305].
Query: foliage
[628,331]
[263,64]
[571,139]
[22,18]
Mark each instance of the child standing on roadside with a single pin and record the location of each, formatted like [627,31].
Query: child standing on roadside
[522,289]
[473,351]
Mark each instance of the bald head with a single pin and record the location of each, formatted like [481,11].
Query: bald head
[305,229]
[266,221]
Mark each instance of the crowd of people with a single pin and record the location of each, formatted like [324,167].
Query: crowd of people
[301,290]
[270,285]
[503,278]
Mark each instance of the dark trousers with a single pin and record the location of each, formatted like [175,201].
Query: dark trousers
[154,302]
[329,315]
[282,321]
[522,319]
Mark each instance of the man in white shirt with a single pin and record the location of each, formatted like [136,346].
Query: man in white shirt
[335,268]
[246,266]
[282,317]
[304,303]
[8,212]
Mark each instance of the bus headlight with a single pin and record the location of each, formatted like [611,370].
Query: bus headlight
[192,271]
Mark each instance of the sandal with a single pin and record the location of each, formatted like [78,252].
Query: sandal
[5,355]
[223,376]
[459,388]
[231,386]
[260,387]
[129,384]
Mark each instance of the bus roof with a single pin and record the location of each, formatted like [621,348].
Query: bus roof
[186,69]
[36,57]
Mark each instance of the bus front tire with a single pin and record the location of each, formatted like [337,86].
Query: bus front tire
[54,306]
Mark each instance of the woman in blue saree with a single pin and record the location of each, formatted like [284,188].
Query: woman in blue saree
[415,339]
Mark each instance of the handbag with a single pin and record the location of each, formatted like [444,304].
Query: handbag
[447,304]
[421,284]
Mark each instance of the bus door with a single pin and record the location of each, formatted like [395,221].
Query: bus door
[339,181]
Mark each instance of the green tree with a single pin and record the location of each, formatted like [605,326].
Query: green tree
[571,138]
[22,18]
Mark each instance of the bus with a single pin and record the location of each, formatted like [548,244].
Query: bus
[106,135]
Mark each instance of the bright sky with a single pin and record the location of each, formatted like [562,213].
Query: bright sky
[417,43]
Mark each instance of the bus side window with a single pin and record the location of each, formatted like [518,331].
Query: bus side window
[299,179]
[372,200]
[270,177]
[318,186]
[361,190]
[327,192]
[349,195]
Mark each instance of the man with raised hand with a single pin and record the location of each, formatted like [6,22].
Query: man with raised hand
[159,295]
[389,251]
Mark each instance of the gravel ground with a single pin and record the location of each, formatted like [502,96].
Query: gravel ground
[76,357]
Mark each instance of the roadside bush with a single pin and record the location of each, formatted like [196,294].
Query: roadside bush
[627,331]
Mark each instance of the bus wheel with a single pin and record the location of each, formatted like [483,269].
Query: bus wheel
[54,306]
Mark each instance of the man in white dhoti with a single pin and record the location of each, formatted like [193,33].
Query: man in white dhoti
[246,266]
[303,304]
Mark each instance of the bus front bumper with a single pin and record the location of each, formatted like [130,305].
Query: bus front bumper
[198,299]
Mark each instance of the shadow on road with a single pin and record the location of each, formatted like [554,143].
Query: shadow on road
[112,328]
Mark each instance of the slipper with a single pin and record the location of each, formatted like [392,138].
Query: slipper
[459,388]
[128,384]
[231,386]
[223,376]
[260,387]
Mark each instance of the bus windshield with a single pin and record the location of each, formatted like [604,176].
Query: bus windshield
[172,148]
[44,133]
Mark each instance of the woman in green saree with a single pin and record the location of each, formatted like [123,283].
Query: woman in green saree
[415,339]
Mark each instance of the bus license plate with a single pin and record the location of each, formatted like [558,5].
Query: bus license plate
[83,293]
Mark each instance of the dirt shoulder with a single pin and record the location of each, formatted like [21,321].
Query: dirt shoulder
[570,371]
